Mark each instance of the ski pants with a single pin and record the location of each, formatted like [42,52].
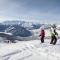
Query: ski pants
[42,39]
[53,40]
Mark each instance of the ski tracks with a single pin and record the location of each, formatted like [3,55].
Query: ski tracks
[30,51]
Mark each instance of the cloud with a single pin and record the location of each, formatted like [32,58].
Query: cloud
[42,10]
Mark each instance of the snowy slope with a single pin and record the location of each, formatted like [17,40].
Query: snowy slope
[30,50]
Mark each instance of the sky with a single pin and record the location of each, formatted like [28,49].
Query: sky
[45,11]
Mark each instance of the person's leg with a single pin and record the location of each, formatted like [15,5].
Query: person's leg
[52,38]
[55,40]
[42,39]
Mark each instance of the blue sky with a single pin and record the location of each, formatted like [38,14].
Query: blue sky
[32,10]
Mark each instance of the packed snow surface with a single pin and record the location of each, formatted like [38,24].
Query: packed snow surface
[30,50]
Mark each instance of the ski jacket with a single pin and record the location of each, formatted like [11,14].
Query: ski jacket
[42,33]
[52,34]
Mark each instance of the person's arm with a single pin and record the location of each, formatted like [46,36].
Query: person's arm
[56,33]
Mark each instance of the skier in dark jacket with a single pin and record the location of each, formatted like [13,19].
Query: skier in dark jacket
[54,35]
[42,35]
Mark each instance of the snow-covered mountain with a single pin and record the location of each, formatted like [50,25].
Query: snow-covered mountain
[26,30]
[17,30]
[13,22]
[28,25]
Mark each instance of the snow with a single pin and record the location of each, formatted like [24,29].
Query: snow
[6,33]
[30,50]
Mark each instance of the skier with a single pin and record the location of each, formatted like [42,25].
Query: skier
[42,35]
[54,35]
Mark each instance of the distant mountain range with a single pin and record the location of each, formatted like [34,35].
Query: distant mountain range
[27,25]
[19,29]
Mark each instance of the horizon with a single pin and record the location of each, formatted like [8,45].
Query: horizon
[33,21]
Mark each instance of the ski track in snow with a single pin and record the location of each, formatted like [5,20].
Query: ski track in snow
[30,50]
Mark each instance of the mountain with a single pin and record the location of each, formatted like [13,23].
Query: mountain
[3,27]
[17,30]
[27,25]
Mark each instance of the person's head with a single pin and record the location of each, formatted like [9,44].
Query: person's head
[54,30]
[51,29]
[42,30]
